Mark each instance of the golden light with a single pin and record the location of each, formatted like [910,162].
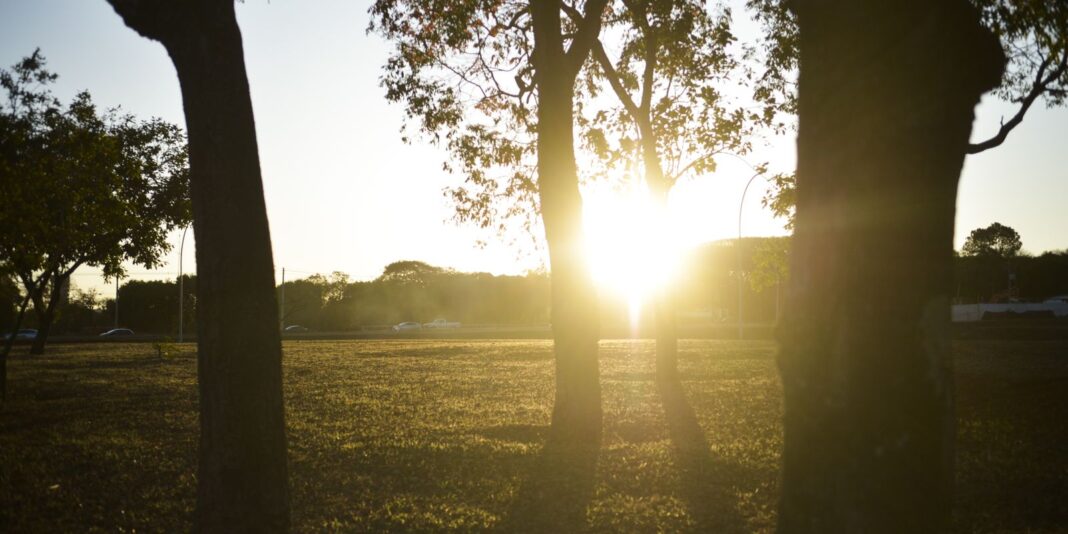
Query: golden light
[634,246]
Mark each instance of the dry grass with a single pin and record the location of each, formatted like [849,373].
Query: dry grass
[420,435]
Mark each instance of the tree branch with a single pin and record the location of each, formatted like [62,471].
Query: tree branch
[614,79]
[603,60]
[650,61]
[1041,84]
[149,18]
[588,31]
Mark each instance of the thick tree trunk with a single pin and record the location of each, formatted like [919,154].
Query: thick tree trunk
[577,409]
[8,344]
[242,477]
[46,315]
[886,98]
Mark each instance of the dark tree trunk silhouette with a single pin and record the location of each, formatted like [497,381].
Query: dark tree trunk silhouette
[886,98]
[577,410]
[46,313]
[242,476]
[8,344]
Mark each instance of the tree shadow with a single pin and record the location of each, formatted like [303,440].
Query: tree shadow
[704,478]
[555,493]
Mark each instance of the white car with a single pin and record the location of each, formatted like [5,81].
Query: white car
[24,333]
[409,325]
[441,323]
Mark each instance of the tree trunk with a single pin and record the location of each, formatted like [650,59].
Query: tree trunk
[667,342]
[46,315]
[242,477]
[577,410]
[7,346]
[886,98]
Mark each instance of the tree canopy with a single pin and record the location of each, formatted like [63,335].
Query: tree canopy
[676,63]
[994,241]
[82,186]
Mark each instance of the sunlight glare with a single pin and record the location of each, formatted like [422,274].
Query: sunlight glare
[634,247]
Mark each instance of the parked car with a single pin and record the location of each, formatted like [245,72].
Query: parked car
[408,325]
[441,323]
[24,333]
[118,332]
[295,329]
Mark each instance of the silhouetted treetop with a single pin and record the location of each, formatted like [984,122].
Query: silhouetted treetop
[996,240]
[410,272]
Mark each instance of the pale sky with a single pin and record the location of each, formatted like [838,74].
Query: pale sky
[345,194]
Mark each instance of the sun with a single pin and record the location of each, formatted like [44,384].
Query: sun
[633,245]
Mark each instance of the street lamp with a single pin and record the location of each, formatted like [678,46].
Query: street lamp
[738,251]
[181,287]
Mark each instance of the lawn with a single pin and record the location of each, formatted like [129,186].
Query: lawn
[424,435]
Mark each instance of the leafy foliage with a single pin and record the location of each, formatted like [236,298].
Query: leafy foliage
[464,73]
[996,241]
[82,187]
[676,63]
[410,272]
[781,197]
[1034,36]
[771,263]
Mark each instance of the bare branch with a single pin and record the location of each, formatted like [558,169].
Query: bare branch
[1041,85]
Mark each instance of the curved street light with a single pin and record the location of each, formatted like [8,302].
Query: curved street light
[738,251]
[181,287]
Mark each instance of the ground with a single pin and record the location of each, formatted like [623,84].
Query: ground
[425,435]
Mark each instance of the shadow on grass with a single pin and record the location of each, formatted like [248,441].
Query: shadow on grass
[705,479]
[103,365]
[516,433]
[555,493]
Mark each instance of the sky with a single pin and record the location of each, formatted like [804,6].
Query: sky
[344,193]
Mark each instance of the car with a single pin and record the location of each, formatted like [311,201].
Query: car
[295,328]
[408,325]
[118,332]
[24,333]
[441,323]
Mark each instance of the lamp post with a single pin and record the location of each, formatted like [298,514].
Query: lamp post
[181,287]
[738,251]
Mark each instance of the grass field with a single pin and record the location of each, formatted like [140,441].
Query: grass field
[418,435]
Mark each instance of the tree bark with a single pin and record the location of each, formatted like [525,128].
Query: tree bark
[46,314]
[242,477]
[8,344]
[577,410]
[886,98]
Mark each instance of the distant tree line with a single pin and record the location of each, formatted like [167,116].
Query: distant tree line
[417,291]
[1028,278]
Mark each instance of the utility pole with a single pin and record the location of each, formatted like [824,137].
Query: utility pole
[181,288]
[116,301]
[282,310]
